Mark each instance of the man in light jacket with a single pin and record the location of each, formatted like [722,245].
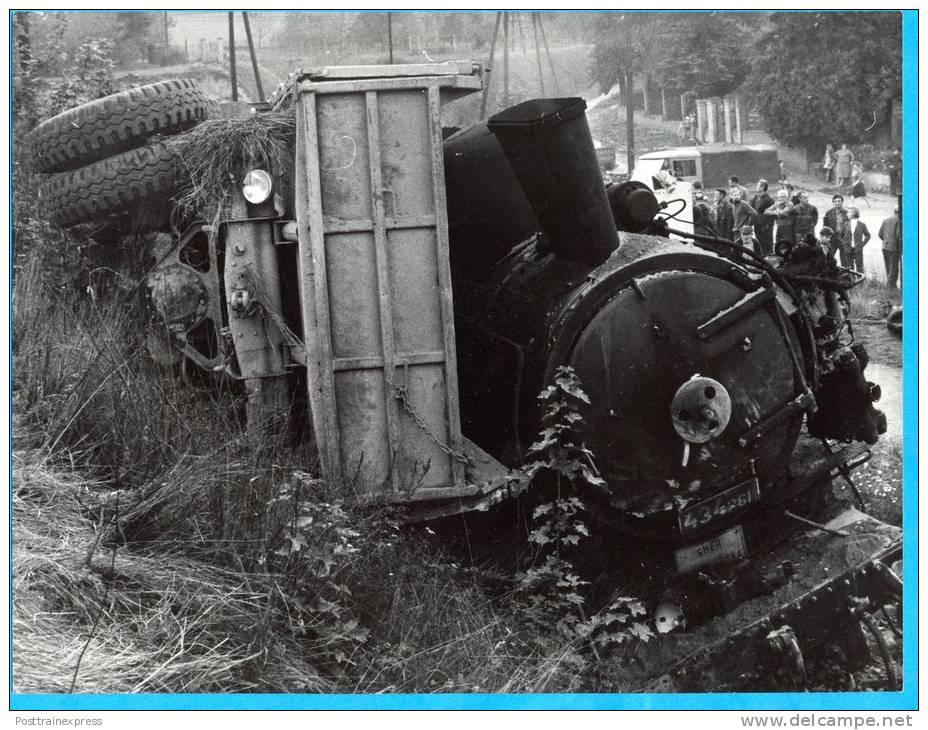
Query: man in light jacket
[785,214]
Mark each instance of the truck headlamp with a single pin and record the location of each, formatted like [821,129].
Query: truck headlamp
[257,186]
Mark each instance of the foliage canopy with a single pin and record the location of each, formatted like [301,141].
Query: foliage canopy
[826,77]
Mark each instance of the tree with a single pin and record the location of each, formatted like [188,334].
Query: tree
[700,52]
[619,45]
[827,77]
[706,53]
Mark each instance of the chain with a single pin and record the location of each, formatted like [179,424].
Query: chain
[399,392]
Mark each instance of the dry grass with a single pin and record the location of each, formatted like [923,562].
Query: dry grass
[144,543]
[135,621]
[215,154]
[871,299]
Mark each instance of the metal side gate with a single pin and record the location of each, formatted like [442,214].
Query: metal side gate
[375,279]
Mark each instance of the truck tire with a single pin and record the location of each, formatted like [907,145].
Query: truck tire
[116,123]
[894,321]
[109,186]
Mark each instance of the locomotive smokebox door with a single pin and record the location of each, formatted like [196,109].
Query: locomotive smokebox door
[684,368]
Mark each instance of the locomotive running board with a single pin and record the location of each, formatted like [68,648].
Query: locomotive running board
[748,650]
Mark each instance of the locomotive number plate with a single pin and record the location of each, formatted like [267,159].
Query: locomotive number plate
[724,548]
[722,504]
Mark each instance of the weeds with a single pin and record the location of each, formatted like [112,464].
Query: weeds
[551,590]
[198,567]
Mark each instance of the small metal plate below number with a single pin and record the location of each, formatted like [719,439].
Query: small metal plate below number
[722,504]
[724,548]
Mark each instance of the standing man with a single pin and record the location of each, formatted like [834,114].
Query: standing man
[784,213]
[760,202]
[890,234]
[724,215]
[743,214]
[858,238]
[806,216]
[702,218]
[837,220]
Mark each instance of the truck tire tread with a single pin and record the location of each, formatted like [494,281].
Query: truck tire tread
[116,123]
[109,186]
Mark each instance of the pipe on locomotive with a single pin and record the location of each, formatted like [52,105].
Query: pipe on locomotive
[550,149]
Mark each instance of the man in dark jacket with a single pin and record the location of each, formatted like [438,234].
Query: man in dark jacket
[890,234]
[764,227]
[724,215]
[702,219]
[742,212]
[806,217]
[858,237]
[837,220]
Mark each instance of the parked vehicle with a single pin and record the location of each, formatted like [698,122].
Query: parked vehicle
[712,164]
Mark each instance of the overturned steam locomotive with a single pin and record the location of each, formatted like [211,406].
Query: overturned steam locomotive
[701,360]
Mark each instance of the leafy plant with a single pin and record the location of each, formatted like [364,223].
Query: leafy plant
[315,546]
[90,76]
[551,590]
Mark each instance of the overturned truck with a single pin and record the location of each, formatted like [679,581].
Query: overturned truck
[415,288]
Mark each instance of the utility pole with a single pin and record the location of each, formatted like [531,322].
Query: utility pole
[544,39]
[541,76]
[166,38]
[254,58]
[505,60]
[490,62]
[390,34]
[629,97]
[232,56]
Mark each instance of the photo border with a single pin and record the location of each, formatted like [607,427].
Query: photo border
[907,699]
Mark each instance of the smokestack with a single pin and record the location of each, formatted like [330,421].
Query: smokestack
[550,149]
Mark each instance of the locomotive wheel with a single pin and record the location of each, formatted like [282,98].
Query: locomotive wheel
[100,129]
[109,186]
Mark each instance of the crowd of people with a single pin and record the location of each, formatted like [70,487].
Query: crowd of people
[775,225]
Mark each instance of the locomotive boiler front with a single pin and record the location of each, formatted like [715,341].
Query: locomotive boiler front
[696,377]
